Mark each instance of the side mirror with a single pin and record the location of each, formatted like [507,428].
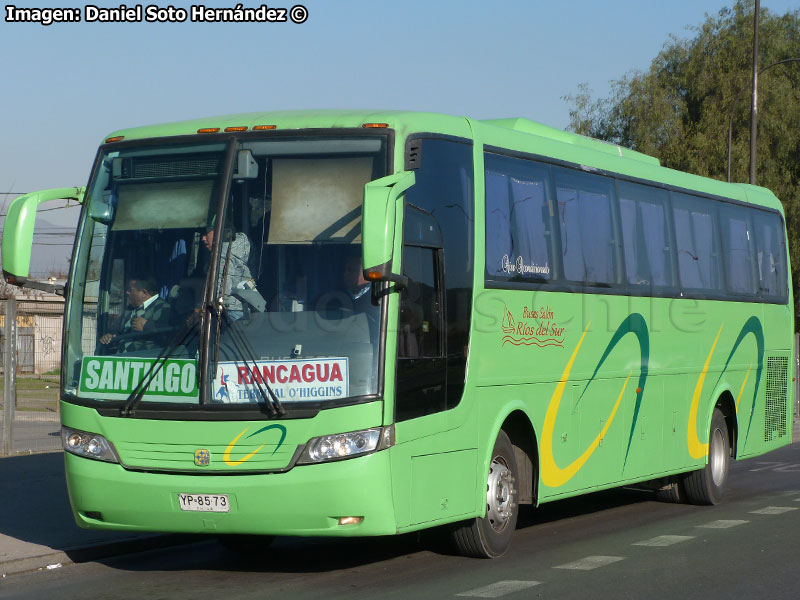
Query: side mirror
[378,215]
[103,208]
[18,234]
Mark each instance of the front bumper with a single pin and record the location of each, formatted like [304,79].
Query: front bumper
[306,501]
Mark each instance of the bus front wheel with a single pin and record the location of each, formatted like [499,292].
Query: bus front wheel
[707,485]
[490,536]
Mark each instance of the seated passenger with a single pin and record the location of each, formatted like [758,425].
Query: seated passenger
[352,299]
[146,312]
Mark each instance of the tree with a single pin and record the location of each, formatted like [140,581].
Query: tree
[678,110]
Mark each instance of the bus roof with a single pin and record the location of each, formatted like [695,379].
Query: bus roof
[516,134]
[400,121]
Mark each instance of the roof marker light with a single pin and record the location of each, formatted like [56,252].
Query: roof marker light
[375,125]
[264,127]
[116,138]
[208,130]
[240,128]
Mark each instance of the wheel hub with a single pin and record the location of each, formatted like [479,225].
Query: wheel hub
[499,495]
[717,457]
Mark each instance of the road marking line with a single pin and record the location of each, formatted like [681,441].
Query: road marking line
[501,588]
[721,524]
[769,466]
[590,562]
[664,540]
[773,510]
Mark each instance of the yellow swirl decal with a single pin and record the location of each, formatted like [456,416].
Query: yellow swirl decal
[552,474]
[741,391]
[697,449]
[227,456]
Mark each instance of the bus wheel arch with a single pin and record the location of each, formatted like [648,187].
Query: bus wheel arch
[510,475]
[727,405]
[520,431]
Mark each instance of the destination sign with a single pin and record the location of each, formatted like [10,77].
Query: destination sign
[115,378]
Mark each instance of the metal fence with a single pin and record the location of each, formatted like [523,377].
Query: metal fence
[30,420]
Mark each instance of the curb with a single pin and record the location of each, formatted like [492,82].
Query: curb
[81,554]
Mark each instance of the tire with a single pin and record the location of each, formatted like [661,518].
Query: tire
[490,536]
[245,544]
[706,486]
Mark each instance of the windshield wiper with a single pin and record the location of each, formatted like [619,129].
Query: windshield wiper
[242,346]
[271,401]
[177,339]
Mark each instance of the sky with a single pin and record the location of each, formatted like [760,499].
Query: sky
[66,85]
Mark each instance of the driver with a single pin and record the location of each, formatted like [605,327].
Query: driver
[146,312]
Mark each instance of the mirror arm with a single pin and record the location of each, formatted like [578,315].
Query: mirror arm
[18,232]
[400,281]
[50,288]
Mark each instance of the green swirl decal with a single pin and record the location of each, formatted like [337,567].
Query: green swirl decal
[267,428]
[635,324]
[752,327]
[555,476]
[227,458]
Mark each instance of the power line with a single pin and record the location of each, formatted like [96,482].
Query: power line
[41,210]
[4,206]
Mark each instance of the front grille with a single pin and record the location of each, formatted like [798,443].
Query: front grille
[181,457]
[776,398]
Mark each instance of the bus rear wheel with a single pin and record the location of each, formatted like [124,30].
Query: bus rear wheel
[707,485]
[490,536]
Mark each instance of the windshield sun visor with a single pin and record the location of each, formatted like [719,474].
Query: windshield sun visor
[172,205]
[318,200]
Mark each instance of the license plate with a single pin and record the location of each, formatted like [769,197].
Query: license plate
[205,502]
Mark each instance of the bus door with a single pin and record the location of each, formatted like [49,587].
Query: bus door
[421,352]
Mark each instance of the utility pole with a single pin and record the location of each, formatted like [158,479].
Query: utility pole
[754,105]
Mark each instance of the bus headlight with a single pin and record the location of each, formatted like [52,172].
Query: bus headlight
[347,445]
[88,445]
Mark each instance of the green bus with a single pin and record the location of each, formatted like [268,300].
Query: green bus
[341,323]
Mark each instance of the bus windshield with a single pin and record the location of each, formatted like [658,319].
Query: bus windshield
[288,312]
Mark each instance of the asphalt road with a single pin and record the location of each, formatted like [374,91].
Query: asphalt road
[614,544]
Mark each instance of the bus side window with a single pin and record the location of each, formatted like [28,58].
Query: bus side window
[770,255]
